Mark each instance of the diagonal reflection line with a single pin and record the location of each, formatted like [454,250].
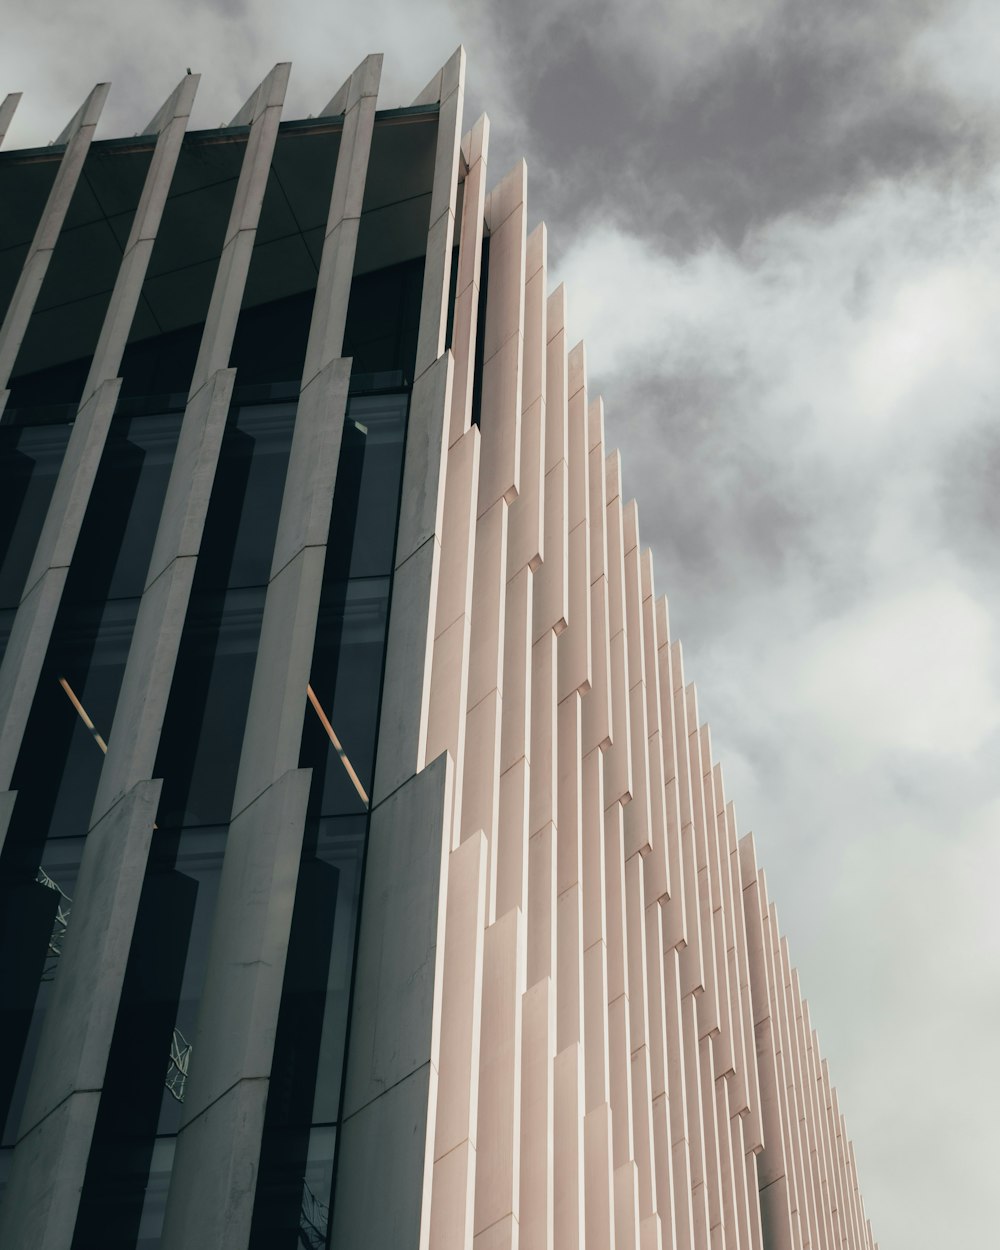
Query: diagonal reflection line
[324,721]
[81,710]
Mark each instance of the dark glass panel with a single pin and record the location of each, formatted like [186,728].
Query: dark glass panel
[123,513]
[128,1170]
[273,327]
[291,1209]
[63,330]
[6,1155]
[29,464]
[203,730]
[33,922]
[346,681]
[202,735]
[25,183]
[309,1047]
[154,1204]
[166,331]
[383,319]
[114,1189]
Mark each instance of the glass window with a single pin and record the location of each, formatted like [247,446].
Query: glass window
[33,921]
[25,182]
[29,464]
[166,330]
[62,333]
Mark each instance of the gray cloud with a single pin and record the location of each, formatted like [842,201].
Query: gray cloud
[779,226]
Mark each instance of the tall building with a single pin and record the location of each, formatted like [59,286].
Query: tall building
[368,880]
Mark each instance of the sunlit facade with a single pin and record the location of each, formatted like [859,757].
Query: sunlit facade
[366,879]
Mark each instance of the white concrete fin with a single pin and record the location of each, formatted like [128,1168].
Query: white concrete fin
[475,148]
[364,80]
[446,80]
[270,92]
[7,110]
[441,221]
[86,115]
[263,113]
[336,267]
[177,104]
[76,137]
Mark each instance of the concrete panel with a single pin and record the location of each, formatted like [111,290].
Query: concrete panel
[263,113]
[421,508]
[80,1020]
[169,125]
[383,1148]
[246,961]
[599,1203]
[538,1039]
[450,84]
[475,149]
[403,719]
[44,1214]
[307,499]
[461,1002]
[570,1230]
[528,511]
[498,1138]
[77,137]
[192,474]
[542,903]
[396,1011]
[7,110]
[326,330]
[215,1172]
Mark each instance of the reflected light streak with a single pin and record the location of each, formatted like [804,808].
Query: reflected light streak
[336,743]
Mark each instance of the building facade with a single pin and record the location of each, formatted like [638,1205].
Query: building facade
[367,877]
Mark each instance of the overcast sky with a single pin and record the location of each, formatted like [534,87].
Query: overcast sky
[779,226]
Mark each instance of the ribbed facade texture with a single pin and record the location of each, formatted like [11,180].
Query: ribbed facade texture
[367,877]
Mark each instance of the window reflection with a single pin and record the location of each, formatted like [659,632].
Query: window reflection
[128,1169]
[29,920]
[29,464]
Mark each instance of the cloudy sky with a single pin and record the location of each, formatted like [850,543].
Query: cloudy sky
[779,225]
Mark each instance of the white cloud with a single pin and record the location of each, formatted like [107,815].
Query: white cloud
[907,673]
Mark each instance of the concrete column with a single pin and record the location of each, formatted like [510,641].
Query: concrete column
[76,138]
[243,993]
[7,110]
[448,707]
[384,1178]
[475,147]
[676,918]
[50,1158]
[42,592]
[403,727]
[454,1176]
[79,1024]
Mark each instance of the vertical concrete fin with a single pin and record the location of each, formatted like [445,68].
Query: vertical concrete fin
[76,138]
[177,104]
[403,728]
[7,111]
[169,126]
[208,1206]
[475,150]
[48,1168]
[262,112]
[336,267]
[397,1037]
[503,340]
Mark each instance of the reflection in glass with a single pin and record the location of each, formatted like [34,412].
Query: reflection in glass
[29,464]
[142,1102]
